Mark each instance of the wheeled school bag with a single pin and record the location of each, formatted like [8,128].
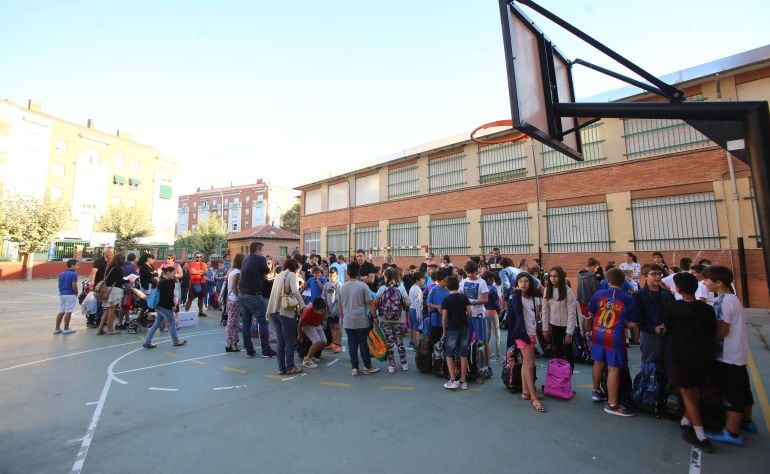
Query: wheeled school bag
[423,356]
[558,380]
[625,389]
[579,351]
[438,364]
[588,342]
[649,389]
[511,373]
[477,362]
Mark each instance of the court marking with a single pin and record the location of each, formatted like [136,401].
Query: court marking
[198,362]
[761,394]
[336,384]
[275,377]
[231,387]
[332,362]
[293,377]
[231,369]
[397,387]
[696,458]
[169,353]
[167,363]
[159,389]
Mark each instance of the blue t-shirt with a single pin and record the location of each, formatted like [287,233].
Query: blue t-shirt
[66,279]
[316,290]
[436,296]
[612,309]
[340,271]
[493,300]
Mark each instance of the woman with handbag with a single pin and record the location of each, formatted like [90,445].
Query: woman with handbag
[113,280]
[282,308]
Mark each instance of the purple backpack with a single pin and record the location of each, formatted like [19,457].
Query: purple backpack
[558,382]
[391,304]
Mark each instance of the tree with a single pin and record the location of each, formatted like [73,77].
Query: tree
[32,223]
[210,235]
[185,239]
[129,224]
[290,219]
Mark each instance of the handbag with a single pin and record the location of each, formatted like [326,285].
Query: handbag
[101,290]
[288,300]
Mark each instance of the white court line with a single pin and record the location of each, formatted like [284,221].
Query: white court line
[164,389]
[203,333]
[168,363]
[332,362]
[41,294]
[230,387]
[91,403]
[696,459]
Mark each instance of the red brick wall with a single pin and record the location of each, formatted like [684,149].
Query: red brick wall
[16,271]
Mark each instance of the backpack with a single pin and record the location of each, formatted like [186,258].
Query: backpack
[391,304]
[477,362]
[154,298]
[558,381]
[439,366]
[376,343]
[511,373]
[648,388]
[579,350]
[423,356]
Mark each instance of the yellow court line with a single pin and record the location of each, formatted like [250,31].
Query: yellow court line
[199,362]
[396,387]
[336,384]
[275,377]
[761,394]
[474,389]
[585,385]
[230,369]
[169,353]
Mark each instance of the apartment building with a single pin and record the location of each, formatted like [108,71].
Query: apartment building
[645,186]
[88,169]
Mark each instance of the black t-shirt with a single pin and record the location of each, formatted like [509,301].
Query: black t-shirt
[456,305]
[364,271]
[146,275]
[253,271]
[691,326]
[100,264]
[166,288]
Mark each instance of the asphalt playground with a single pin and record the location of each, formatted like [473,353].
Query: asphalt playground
[103,404]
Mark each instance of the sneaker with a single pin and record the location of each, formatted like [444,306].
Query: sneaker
[371,370]
[405,367]
[725,437]
[391,369]
[337,348]
[463,385]
[690,436]
[251,354]
[180,342]
[451,384]
[354,372]
[71,331]
[57,331]
[268,354]
[489,372]
[149,345]
[598,396]
[329,347]
[307,363]
[749,426]
[315,359]
[618,410]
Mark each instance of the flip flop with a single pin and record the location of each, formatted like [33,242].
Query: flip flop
[526,396]
[539,407]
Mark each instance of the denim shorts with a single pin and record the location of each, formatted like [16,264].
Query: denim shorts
[457,341]
[413,324]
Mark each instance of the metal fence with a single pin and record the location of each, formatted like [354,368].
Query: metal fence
[312,243]
[449,236]
[337,242]
[446,173]
[508,231]
[502,162]
[685,221]
[593,151]
[757,232]
[368,238]
[403,182]
[583,228]
[404,235]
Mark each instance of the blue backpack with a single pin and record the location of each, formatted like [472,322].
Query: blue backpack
[154,298]
[648,388]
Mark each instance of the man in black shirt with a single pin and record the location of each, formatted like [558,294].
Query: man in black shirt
[97,275]
[253,304]
[367,273]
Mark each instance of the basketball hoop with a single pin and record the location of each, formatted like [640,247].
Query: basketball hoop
[497,141]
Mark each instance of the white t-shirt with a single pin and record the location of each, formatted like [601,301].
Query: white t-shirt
[415,297]
[530,318]
[669,282]
[633,266]
[230,277]
[473,289]
[735,347]
[703,292]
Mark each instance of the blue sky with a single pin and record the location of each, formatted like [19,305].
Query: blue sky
[293,92]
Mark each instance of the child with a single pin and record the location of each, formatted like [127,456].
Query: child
[415,310]
[732,355]
[651,301]
[631,284]
[523,303]
[433,301]
[478,293]
[492,312]
[612,310]
[164,310]
[690,324]
[388,305]
[455,313]
[311,325]
[68,291]
[316,283]
[331,296]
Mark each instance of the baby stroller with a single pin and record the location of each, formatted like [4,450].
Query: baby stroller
[142,317]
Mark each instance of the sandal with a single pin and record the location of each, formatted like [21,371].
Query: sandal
[537,406]
[294,370]
[526,396]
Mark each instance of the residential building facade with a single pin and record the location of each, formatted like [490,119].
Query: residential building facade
[645,186]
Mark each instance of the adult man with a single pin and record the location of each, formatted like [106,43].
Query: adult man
[198,269]
[97,275]
[366,271]
[253,304]
[494,261]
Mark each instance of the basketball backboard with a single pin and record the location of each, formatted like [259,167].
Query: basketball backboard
[538,78]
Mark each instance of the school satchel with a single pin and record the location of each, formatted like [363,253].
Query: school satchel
[288,301]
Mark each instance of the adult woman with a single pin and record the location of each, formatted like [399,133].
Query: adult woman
[147,276]
[657,257]
[283,319]
[163,310]
[523,306]
[559,313]
[631,264]
[233,304]
[113,277]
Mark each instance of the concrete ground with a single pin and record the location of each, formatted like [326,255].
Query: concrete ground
[103,404]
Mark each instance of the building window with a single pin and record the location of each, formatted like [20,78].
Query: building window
[449,236]
[337,241]
[283,251]
[685,221]
[508,231]
[583,228]
[55,194]
[649,137]
[260,197]
[61,146]
[367,189]
[248,198]
[368,238]
[235,227]
[593,151]
[446,173]
[119,161]
[133,164]
[247,211]
[165,192]
[312,242]
[403,182]
[404,239]
[312,201]
[57,170]
[502,162]
[134,183]
[338,196]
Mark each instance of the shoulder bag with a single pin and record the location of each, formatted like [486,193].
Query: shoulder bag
[288,300]
[101,290]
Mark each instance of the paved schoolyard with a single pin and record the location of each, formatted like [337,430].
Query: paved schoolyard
[102,404]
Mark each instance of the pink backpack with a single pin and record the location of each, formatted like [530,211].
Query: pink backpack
[558,382]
